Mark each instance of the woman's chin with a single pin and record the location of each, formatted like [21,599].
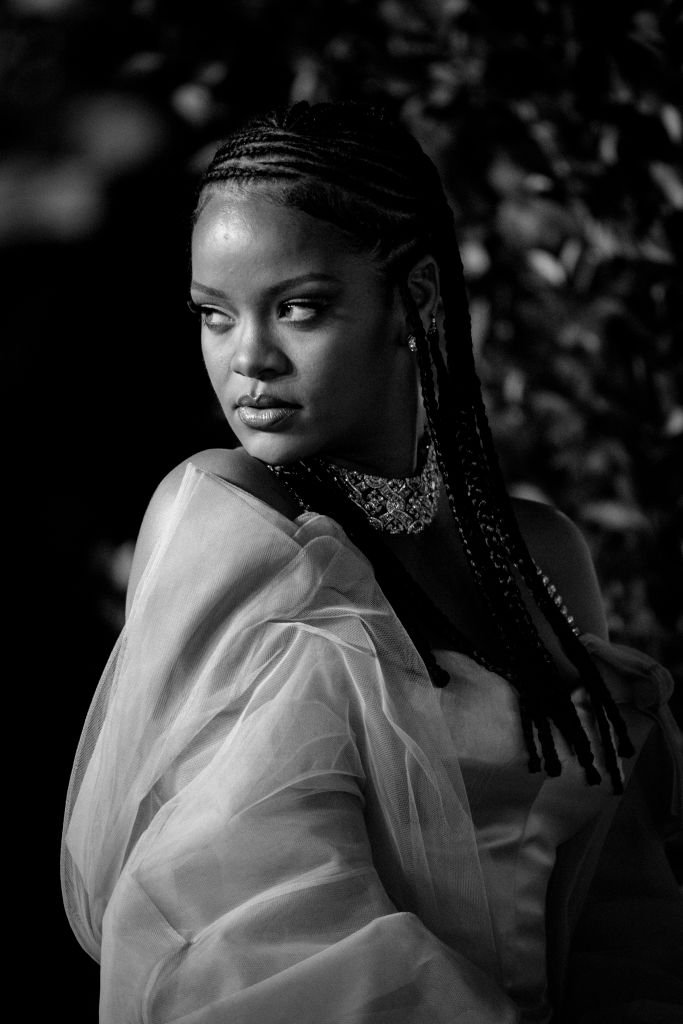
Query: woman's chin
[276,450]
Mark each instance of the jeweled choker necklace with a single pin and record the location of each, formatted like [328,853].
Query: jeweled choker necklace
[402,504]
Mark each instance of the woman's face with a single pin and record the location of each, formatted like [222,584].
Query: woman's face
[304,343]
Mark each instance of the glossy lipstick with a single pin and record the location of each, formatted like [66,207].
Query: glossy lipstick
[264,412]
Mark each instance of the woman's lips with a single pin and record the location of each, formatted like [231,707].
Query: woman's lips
[265,419]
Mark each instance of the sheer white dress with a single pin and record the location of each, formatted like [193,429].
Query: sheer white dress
[274,816]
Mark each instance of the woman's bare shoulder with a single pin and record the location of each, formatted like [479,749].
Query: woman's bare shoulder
[239,468]
[560,549]
[231,464]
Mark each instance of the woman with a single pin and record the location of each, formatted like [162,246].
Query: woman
[352,759]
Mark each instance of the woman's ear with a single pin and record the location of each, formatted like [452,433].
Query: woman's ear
[423,285]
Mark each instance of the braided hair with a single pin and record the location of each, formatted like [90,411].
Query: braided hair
[350,165]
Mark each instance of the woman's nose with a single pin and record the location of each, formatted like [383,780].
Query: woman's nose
[257,353]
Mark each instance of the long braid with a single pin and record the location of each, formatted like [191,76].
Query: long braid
[348,165]
[490,570]
[507,538]
[496,518]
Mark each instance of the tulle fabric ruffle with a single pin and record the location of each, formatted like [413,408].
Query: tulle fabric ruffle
[257,827]
[266,819]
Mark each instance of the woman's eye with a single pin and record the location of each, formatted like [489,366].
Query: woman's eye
[301,310]
[212,318]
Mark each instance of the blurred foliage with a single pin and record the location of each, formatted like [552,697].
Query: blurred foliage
[557,128]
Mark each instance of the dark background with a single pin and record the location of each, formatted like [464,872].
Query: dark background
[557,127]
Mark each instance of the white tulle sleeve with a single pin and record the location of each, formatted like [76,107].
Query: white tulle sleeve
[259,828]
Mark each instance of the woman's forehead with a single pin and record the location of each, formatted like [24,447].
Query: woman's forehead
[233,226]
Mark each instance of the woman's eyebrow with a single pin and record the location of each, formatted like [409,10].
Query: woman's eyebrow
[215,292]
[280,286]
[294,282]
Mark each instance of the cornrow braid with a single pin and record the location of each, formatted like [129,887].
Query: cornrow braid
[350,165]
[498,586]
[505,536]
[429,361]
[463,399]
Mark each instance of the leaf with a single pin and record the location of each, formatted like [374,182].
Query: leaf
[670,183]
[615,516]
[547,267]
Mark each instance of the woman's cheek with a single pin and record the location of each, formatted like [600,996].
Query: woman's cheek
[217,363]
